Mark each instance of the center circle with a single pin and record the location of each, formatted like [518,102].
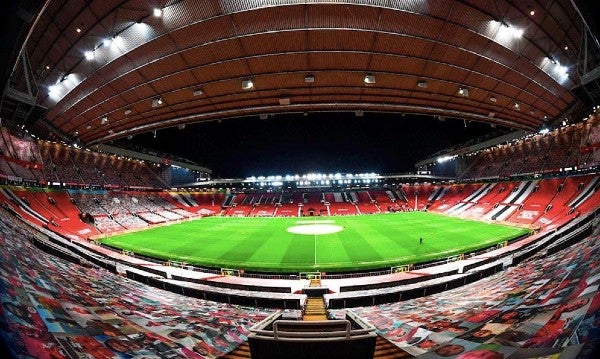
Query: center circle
[313,229]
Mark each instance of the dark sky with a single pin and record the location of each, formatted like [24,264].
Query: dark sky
[319,142]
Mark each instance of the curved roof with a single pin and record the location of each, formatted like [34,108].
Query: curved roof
[113,68]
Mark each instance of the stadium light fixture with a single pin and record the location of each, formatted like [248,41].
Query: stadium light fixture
[369,79]
[422,84]
[127,111]
[89,55]
[507,30]
[157,102]
[444,159]
[561,70]
[247,85]
[309,79]
[517,33]
[197,92]
[157,12]
[463,91]
[493,99]
[104,120]
[544,130]
[53,90]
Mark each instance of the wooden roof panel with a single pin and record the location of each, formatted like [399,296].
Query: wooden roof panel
[217,45]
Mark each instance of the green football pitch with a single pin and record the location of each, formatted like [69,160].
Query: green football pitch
[327,244]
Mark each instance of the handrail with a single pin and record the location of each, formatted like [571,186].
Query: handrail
[284,329]
[263,323]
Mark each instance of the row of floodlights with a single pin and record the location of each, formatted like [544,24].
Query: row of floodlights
[311,177]
[369,79]
[317,183]
[90,54]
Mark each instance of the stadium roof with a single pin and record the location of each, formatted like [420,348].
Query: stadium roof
[116,68]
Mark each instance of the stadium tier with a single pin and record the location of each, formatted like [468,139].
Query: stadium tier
[116,243]
[65,305]
[570,146]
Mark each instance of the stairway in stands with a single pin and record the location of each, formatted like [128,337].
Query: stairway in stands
[315,310]
[315,306]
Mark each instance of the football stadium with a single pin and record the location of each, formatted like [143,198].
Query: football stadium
[300,179]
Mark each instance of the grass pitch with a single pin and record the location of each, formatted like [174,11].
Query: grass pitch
[362,243]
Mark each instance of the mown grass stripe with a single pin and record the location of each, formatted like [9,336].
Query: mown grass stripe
[367,242]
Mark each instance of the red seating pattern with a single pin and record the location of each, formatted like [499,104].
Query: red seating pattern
[541,153]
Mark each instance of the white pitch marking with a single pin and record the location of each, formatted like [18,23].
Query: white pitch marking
[315,229]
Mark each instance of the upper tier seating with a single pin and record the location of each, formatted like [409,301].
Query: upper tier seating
[571,146]
[44,162]
[19,157]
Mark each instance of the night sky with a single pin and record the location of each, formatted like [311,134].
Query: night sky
[318,142]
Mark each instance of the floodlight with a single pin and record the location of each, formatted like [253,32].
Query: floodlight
[247,85]
[157,102]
